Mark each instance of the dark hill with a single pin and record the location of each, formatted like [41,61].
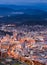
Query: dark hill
[6,11]
[30,16]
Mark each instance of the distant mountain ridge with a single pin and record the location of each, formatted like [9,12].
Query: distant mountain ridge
[30,15]
[4,11]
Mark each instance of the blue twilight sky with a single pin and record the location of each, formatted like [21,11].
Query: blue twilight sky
[21,1]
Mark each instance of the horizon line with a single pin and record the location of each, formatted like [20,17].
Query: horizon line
[22,3]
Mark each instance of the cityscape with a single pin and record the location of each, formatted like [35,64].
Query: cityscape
[25,44]
[23,32]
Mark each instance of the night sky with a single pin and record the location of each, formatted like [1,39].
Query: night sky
[21,1]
